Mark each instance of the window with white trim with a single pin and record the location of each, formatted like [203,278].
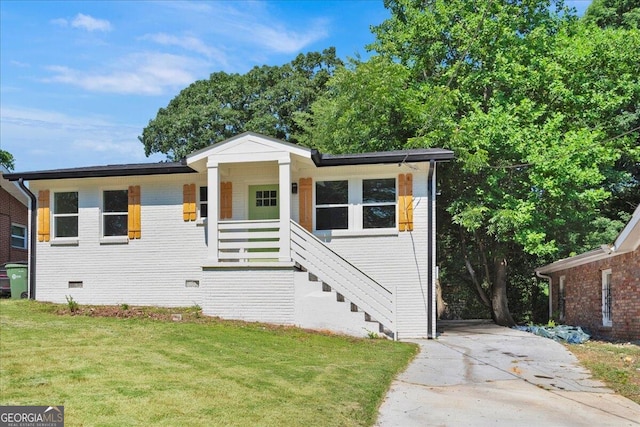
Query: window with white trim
[356,204]
[561,299]
[18,236]
[379,203]
[65,214]
[332,205]
[204,206]
[115,213]
[607,299]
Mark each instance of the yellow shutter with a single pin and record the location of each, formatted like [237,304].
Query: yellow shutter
[135,229]
[189,202]
[226,201]
[405,202]
[305,203]
[44,216]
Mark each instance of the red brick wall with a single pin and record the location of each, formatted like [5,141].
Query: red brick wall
[11,212]
[583,296]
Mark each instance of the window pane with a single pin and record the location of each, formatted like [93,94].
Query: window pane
[116,201]
[378,190]
[116,225]
[18,242]
[332,218]
[18,237]
[18,231]
[379,216]
[66,203]
[204,197]
[66,226]
[332,192]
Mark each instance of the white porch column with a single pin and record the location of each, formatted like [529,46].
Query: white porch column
[284,166]
[213,190]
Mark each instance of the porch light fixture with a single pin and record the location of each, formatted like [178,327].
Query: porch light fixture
[294,188]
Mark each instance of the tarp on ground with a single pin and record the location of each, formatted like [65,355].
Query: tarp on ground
[570,334]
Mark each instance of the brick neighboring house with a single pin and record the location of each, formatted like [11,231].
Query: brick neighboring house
[600,290]
[14,220]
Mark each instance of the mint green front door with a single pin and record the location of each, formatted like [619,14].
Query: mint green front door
[264,202]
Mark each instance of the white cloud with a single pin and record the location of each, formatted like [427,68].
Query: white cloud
[41,139]
[85,22]
[190,6]
[141,74]
[61,22]
[190,43]
[19,64]
[90,23]
[252,24]
[281,40]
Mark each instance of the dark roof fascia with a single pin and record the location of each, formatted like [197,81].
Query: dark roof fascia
[137,169]
[382,157]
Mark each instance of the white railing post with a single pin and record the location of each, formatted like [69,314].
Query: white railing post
[213,189]
[395,313]
[284,166]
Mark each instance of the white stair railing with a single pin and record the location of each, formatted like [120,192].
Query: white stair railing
[342,276]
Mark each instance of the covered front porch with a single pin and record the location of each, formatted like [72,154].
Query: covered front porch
[251,196]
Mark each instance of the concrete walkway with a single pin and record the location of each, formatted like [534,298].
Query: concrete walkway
[480,374]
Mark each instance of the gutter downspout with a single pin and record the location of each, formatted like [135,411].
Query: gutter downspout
[431,292]
[548,278]
[32,238]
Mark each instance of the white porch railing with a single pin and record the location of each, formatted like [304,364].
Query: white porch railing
[346,279]
[258,243]
[248,241]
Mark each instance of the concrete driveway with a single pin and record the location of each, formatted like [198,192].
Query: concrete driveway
[480,374]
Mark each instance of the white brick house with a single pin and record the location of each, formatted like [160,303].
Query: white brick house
[343,243]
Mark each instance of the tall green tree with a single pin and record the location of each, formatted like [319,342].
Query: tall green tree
[537,105]
[369,106]
[264,100]
[6,160]
[614,13]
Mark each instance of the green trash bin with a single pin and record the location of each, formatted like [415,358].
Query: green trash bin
[18,279]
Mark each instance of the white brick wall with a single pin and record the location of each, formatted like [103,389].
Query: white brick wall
[153,269]
[265,295]
[398,260]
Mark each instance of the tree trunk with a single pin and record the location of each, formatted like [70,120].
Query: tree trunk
[441,306]
[482,296]
[499,303]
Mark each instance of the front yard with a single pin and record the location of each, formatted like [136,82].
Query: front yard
[147,370]
[616,364]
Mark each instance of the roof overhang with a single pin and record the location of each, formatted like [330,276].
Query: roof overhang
[12,188]
[246,147]
[629,238]
[601,253]
[627,241]
[136,169]
[383,157]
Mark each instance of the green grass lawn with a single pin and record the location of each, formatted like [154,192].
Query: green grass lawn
[198,372]
[616,364]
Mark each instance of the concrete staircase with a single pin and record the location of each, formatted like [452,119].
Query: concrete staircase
[344,282]
[318,306]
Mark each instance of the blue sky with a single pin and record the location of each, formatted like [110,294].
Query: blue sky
[79,80]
